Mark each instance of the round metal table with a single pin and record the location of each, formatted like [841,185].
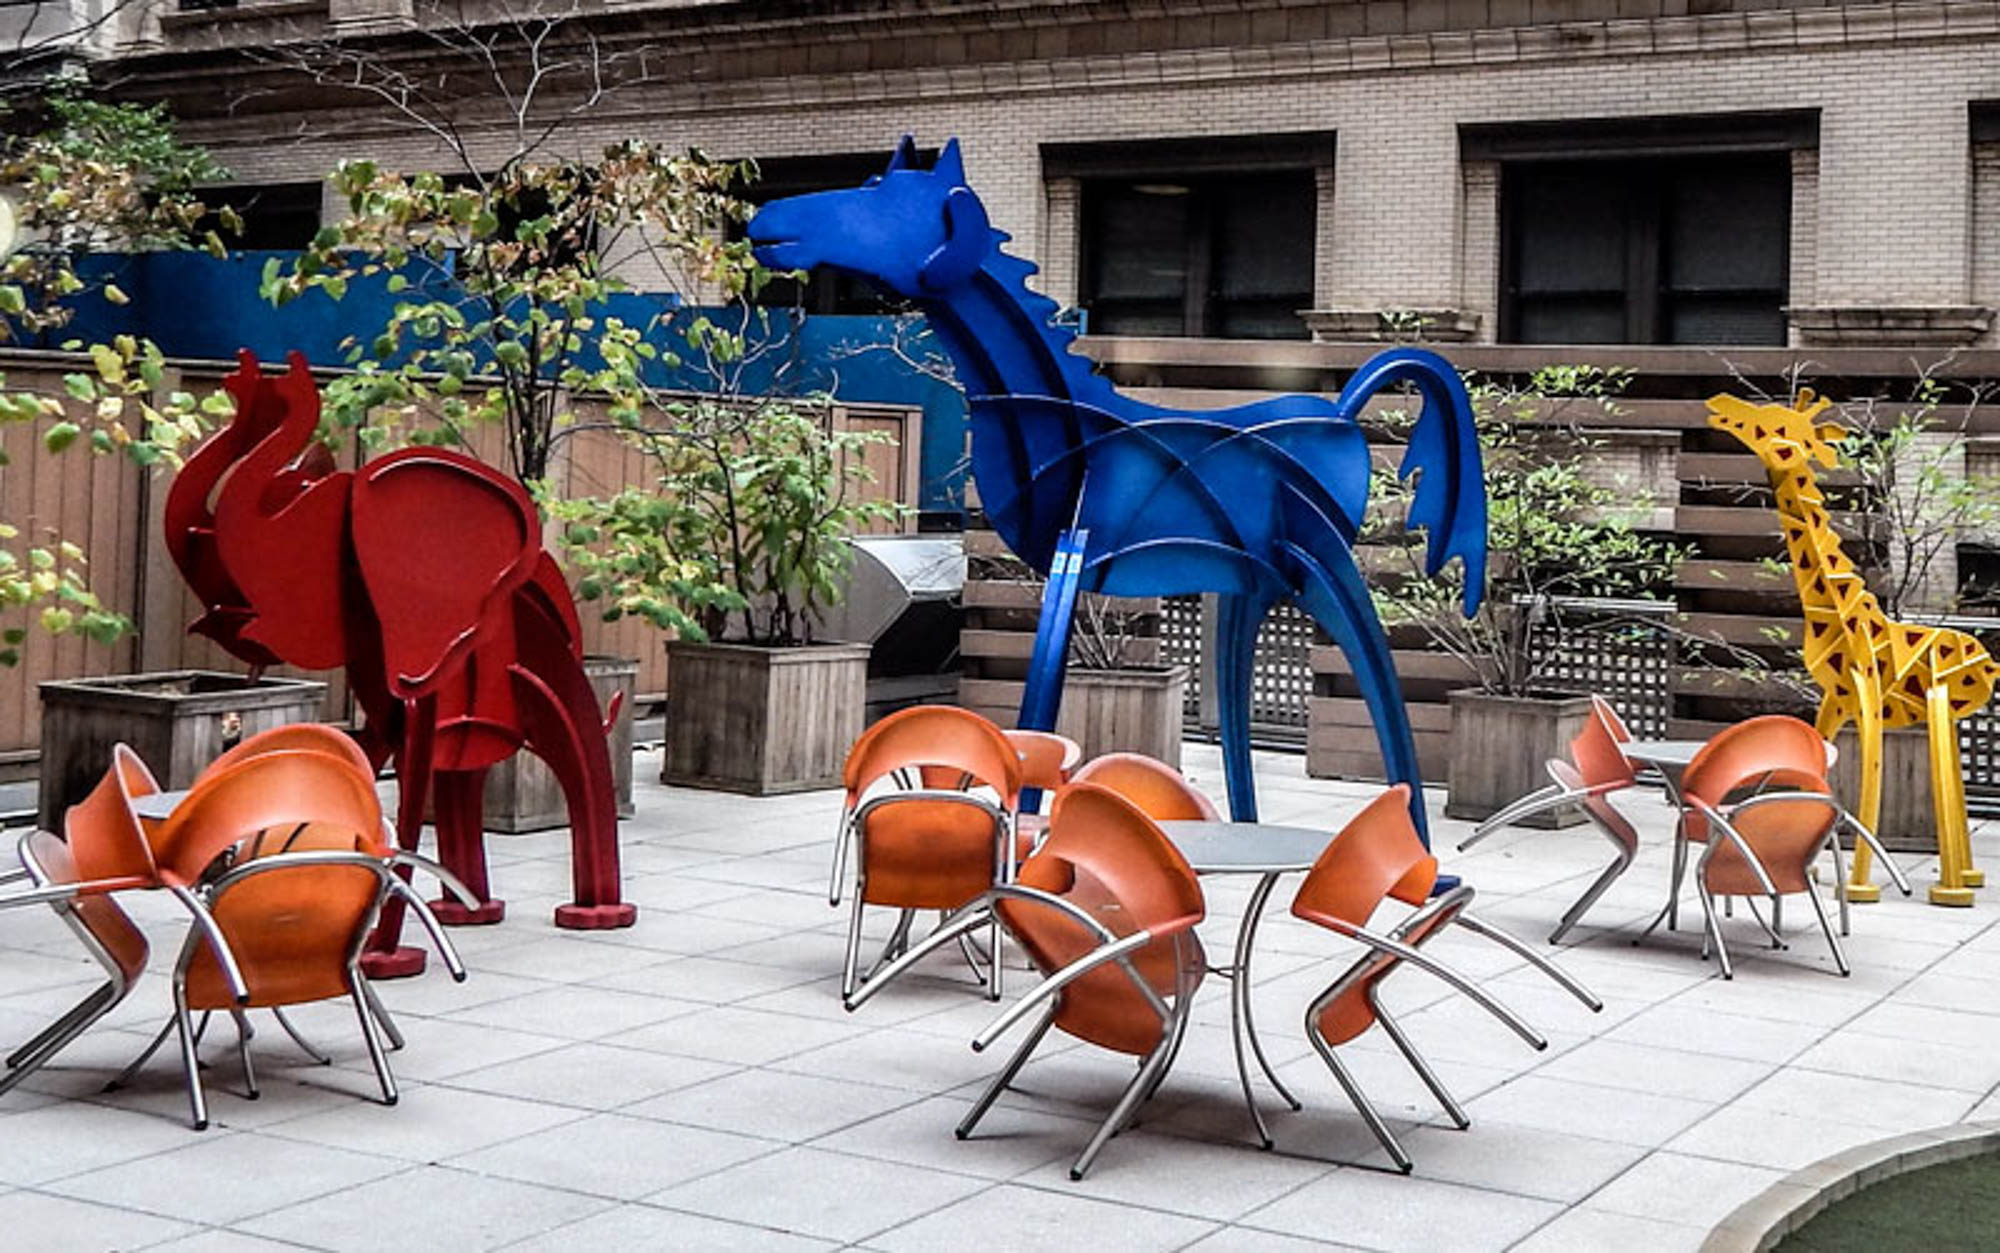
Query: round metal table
[1268,851]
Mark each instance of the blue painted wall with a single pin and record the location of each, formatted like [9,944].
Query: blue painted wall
[205,308]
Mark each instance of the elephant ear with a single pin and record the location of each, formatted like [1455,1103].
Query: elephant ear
[967,239]
[436,601]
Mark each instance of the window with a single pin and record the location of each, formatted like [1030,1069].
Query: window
[1685,250]
[826,291]
[276,215]
[1649,230]
[1196,237]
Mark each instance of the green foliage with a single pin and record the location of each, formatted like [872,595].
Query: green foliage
[1556,532]
[505,277]
[746,533]
[88,176]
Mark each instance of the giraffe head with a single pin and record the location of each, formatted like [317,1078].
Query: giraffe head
[1782,436]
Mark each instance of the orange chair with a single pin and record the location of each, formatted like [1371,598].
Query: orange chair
[929,847]
[1379,855]
[1106,910]
[1154,786]
[1597,767]
[105,852]
[1765,844]
[1047,761]
[310,736]
[272,947]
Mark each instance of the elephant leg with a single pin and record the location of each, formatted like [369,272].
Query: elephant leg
[461,832]
[1333,593]
[1235,664]
[1041,699]
[386,956]
[565,728]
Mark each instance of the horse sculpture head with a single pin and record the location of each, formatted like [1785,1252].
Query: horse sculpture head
[920,233]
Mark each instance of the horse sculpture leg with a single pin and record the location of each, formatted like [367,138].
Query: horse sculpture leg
[1333,593]
[1041,699]
[458,803]
[387,957]
[1235,665]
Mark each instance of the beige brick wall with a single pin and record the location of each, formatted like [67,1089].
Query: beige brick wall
[1986,228]
[1884,213]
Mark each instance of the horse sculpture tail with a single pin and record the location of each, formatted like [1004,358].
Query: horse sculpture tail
[1450,502]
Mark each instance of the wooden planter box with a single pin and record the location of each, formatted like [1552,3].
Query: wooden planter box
[177,721]
[521,794]
[762,720]
[1499,745]
[1907,823]
[1125,711]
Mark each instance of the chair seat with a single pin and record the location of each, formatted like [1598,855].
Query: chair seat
[928,854]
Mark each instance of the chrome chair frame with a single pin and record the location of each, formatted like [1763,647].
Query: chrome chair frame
[1391,950]
[888,964]
[367,1005]
[1174,1018]
[1831,842]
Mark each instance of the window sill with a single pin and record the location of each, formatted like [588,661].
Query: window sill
[1861,326]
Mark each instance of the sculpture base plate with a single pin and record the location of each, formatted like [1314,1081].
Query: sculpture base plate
[1864,893]
[596,917]
[399,963]
[453,914]
[1958,898]
[1973,877]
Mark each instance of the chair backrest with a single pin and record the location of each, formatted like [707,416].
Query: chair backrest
[106,840]
[1047,759]
[1104,855]
[307,736]
[118,942]
[285,789]
[941,738]
[1597,804]
[1595,751]
[295,928]
[1377,855]
[1775,747]
[1154,786]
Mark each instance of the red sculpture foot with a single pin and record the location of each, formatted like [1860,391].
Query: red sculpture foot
[452,914]
[397,963]
[596,917]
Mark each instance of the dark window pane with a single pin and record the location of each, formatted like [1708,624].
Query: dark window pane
[1137,317]
[1264,238]
[1727,225]
[1597,321]
[1139,241]
[1573,227]
[279,215]
[1749,319]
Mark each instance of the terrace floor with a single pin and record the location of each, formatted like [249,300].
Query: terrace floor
[694,1082]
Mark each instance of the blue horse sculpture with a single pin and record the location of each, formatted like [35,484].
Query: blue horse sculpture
[1102,493]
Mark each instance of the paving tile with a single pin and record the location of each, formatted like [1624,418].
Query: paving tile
[1639,1118]
[737,1035]
[612,1156]
[1525,1161]
[1383,1210]
[1587,1230]
[1856,1098]
[1676,1188]
[775,1105]
[1172,1174]
[58,1141]
[817,1193]
[1008,1141]
[1035,1219]
[217,1240]
[1926,1063]
[591,1076]
[1712,1032]
[650,1227]
[1647,1068]
[221,1178]
[1766,1137]
[430,1207]
[576,1012]
[56,1224]
[427,1125]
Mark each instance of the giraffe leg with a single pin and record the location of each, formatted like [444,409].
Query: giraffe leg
[1868,733]
[1948,804]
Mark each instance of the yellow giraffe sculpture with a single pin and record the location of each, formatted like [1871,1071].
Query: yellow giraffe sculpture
[1871,671]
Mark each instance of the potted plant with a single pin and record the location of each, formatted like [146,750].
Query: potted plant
[1556,535]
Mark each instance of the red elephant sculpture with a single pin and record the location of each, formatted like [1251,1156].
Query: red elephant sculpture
[422,573]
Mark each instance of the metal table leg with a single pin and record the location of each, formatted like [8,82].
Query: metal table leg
[1244,1024]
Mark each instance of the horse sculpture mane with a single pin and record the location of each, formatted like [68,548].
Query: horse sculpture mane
[1102,492]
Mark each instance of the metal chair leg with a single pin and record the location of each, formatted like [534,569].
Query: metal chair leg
[1128,1103]
[190,1058]
[372,1036]
[32,1056]
[300,1040]
[376,1008]
[1598,887]
[1418,1064]
[1360,1100]
[124,1076]
[852,966]
[244,1031]
[88,1007]
[1006,1075]
[1826,925]
[1714,925]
